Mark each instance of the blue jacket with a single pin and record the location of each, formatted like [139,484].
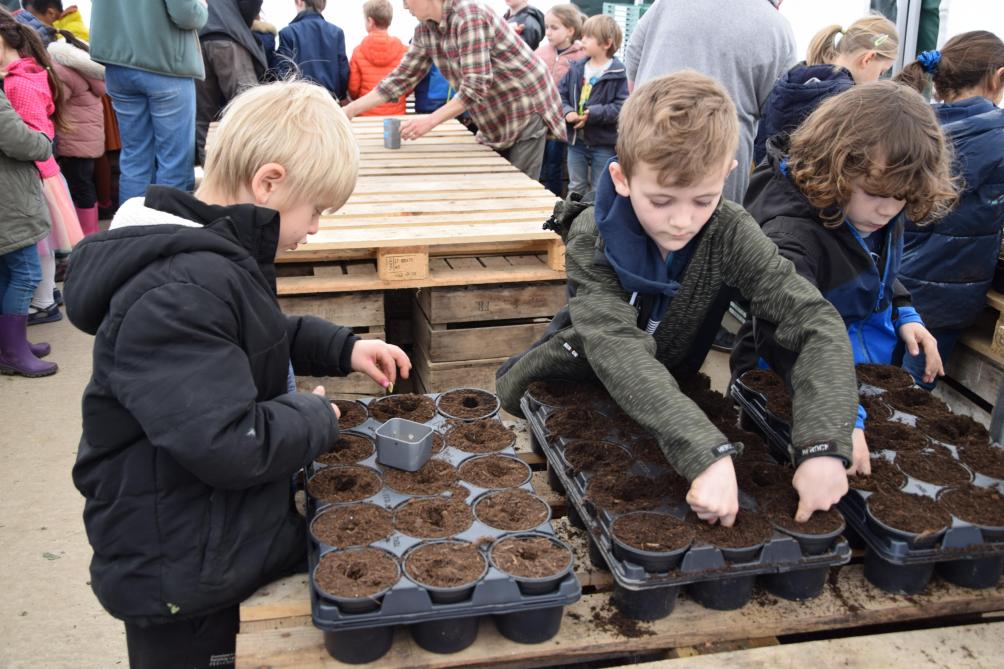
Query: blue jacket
[604,104]
[862,287]
[948,266]
[318,50]
[796,94]
[432,92]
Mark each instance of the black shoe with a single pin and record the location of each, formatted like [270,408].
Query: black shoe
[725,341]
[57,295]
[50,314]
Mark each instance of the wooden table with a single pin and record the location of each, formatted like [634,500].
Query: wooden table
[441,210]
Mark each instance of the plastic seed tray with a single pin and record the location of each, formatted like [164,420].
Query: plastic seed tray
[716,578]
[441,620]
[965,553]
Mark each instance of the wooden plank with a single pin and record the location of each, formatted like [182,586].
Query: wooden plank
[349,309]
[439,376]
[410,207]
[512,249]
[956,647]
[848,602]
[403,263]
[491,303]
[407,170]
[974,365]
[296,285]
[374,228]
[451,345]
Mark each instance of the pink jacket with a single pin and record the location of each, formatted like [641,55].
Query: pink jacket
[83,83]
[558,64]
[27,88]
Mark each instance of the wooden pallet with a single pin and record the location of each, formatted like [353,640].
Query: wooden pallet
[276,629]
[442,196]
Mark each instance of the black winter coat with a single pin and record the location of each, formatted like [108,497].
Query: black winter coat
[190,436]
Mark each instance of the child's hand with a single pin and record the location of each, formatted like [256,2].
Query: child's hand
[820,483]
[319,390]
[714,495]
[572,117]
[917,338]
[380,361]
[582,121]
[861,459]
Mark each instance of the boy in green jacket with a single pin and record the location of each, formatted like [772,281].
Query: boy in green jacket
[647,267]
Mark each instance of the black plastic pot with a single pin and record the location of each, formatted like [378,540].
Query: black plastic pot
[907,579]
[649,604]
[441,595]
[530,626]
[913,540]
[976,573]
[555,482]
[654,562]
[797,586]
[574,518]
[596,557]
[446,636]
[359,646]
[489,414]
[813,544]
[739,555]
[725,595]
[541,585]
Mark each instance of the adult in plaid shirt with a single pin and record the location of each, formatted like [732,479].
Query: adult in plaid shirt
[498,80]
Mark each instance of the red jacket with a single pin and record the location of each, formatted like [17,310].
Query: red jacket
[376,57]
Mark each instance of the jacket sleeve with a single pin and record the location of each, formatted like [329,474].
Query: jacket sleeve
[319,348]
[565,92]
[355,76]
[903,310]
[17,140]
[285,53]
[606,114]
[181,373]
[475,37]
[408,73]
[187,14]
[623,357]
[803,322]
[343,67]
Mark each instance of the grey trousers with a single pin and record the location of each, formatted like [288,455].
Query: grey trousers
[527,154]
[229,70]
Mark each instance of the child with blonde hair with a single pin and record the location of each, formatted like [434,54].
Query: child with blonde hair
[949,267]
[834,199]
[837,59]
[192,416]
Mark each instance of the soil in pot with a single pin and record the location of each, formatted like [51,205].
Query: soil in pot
[894,436]
[878,411]
[445,564]
[885,476]
[589,455]
[933,467]
[349,449]
[433,517]
[887,377]
[780,508]
[979,506]
[344,484]
[416,408]
[955,429]
[352,414]
[356,573]
[621,491]
[985,459]
[494,471]
[530,557]
[672,487]
[556,393]
[511,510]
[915,401]
[353,525]
[483,436]
[432,478]
[903,511]
[773,387]
[577,423]
[656,532]
[750,529]
[468,403]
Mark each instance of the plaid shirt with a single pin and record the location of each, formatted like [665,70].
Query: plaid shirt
[498,78]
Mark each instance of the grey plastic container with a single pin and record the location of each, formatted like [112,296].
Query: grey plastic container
[392,133]
[404,444]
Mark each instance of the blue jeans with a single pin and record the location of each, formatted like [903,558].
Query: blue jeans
[915,364]
[552,173]
[20,272]
[156,114]
[585,167]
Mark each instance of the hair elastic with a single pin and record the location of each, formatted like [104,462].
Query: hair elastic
[929,61]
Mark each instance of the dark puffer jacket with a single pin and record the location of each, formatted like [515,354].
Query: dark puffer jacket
[190,435]
[608,96]
[796,94]
[948,266]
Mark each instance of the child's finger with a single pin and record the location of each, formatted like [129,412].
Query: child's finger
[319,390]
[387,364]
[727,520]
[865,467]
[804,512]
[401,358]
[370,369]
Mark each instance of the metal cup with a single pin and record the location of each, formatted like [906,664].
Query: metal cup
[392,133]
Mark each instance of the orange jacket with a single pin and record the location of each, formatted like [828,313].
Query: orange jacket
[376,57]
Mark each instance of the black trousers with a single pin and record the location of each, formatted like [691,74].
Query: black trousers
[79,175]
[207,642]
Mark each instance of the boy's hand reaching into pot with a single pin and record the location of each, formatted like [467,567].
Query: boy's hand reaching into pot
[714,495]
[380,361]
[820,483]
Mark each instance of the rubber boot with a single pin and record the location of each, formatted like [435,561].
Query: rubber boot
[15,354]
[88,220]
[40,350]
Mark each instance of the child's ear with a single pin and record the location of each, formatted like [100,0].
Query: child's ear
[266,181]
[867,58]
[619,179]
